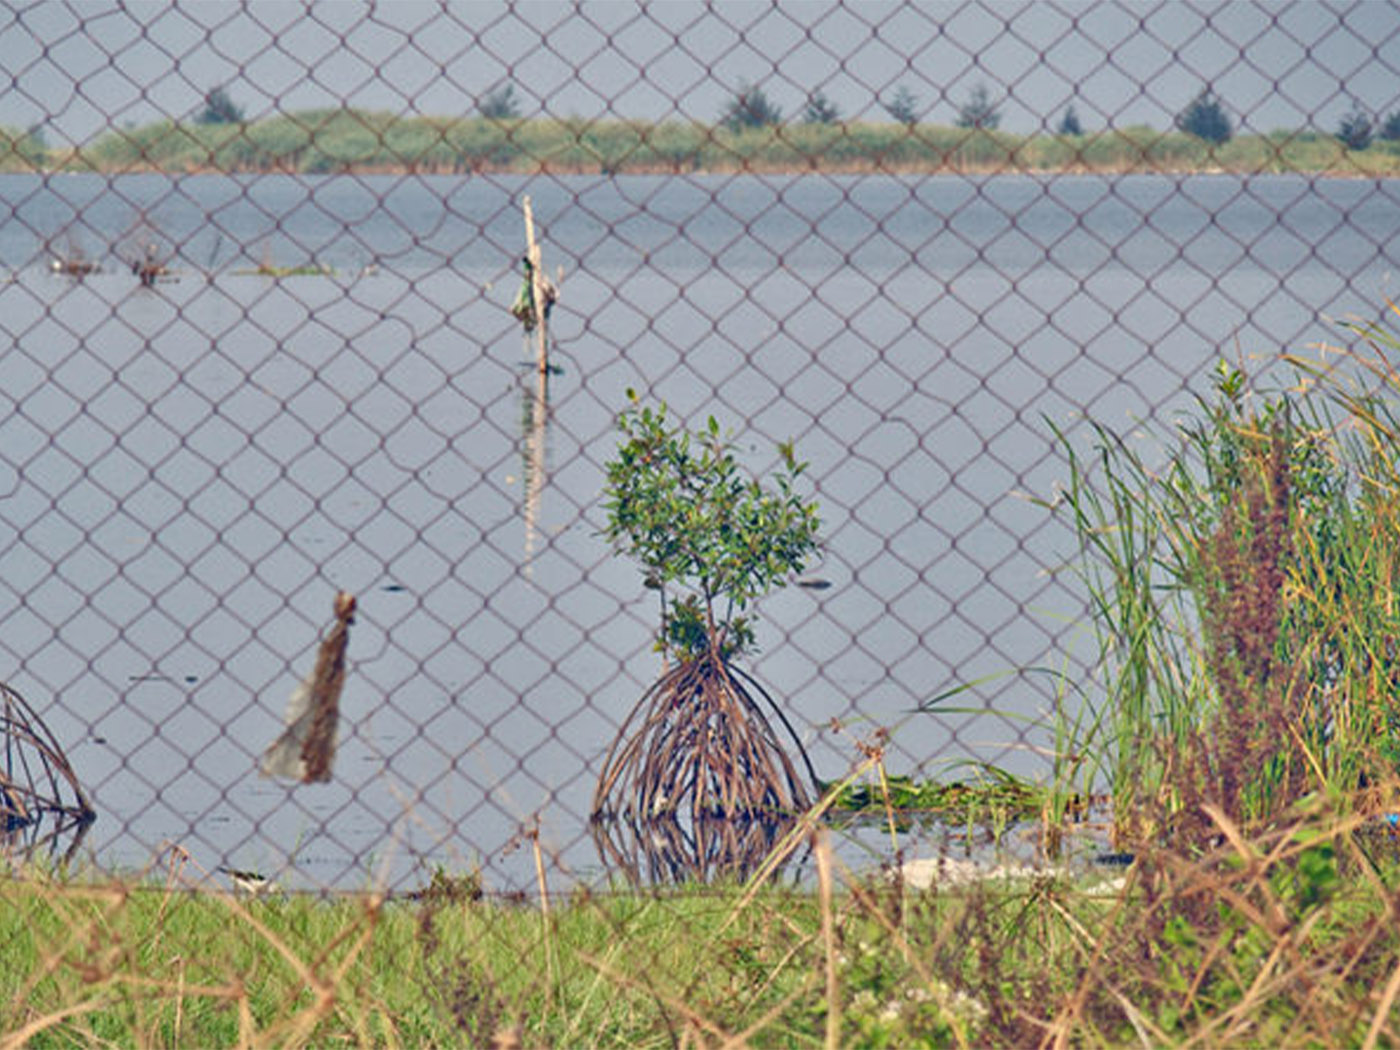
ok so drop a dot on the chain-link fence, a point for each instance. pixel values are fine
(258, 349)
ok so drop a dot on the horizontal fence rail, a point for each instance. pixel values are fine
(287, 487)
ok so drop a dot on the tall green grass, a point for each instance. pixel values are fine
(1287, 937)
(1243, 591)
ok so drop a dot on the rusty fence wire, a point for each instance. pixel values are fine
(257, 349)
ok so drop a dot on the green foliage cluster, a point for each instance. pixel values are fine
(903, 106)
(1356, 129)
(820, 110)
(310, 141)
(219, 108)
(995, 799)
(979, 112)
(1205, 118)
(750, 108)
(500, 104)
(678, 503)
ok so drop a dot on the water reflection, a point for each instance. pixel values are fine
(667, 850)
(533, 419)
(532, 308)
(40, 797)
(52, 835)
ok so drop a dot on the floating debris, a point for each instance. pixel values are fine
(148, 267)
(267, 268)
(525, 308)
(306, 749)
(70, 260)
(311, 269)
(74, 266)
(146, 252)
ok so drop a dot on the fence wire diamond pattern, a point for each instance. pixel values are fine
(258, 349)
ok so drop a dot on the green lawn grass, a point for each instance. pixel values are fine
(1287, 936)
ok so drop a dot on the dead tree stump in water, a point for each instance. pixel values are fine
(702, 748)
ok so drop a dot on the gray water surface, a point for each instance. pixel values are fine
(188, 473)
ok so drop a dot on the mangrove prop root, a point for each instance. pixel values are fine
(664, 849)
(699, 745)
(35, 777)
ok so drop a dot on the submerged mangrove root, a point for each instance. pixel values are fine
(656, 850)
(35, 778)
(702, 748)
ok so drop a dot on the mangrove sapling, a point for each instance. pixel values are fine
(699, 742)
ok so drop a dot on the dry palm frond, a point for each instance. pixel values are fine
(306, 748)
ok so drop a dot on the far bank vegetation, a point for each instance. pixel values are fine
(336, 140)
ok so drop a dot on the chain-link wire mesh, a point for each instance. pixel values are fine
(259, 263)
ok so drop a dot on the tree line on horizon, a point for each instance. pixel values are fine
(1204, 117)
(750, 132)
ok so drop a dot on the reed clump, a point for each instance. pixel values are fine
(1243, 596)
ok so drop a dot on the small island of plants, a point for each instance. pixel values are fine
(750, 135)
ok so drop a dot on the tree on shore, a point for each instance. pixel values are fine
(1356, 129)
(219, 108)
(750, 108)
(1069, 123)
(1205, 118)
(500, 104)
(820, 110)
(1390, 127)
(903, 107)
(978, 111)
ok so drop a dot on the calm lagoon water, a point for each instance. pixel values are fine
(188, 473)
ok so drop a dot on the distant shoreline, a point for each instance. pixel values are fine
(754, 170)
(321, 142)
